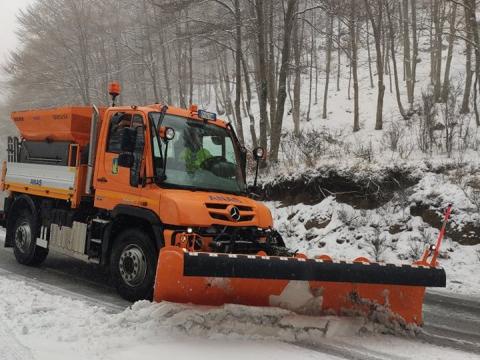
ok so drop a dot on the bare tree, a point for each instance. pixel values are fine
(262, 72)
(451, 39)
(352, 25)
(289, 20)
(297, 46)
(328, 65)
(393, 57)
(406, 53)
(468, 61)
(375, 15)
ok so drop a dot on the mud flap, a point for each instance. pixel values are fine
(303, 285)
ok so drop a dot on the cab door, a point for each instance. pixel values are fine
(114, 183)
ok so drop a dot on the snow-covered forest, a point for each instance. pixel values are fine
(314, 69)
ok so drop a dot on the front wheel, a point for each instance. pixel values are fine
(25, 246)
(133, 265)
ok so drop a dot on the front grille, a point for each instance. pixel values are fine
(244, 208)
(216, 206)
(219, 216)
(220, 212)
(247, 218)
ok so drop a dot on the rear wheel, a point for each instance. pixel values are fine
(25, 246)
(133, 265)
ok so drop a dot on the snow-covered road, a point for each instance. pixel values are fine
(66, 310)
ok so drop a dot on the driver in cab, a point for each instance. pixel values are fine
(194, 154)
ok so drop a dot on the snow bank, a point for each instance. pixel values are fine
(389, 233)
(37, 325)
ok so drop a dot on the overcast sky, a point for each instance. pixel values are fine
(8, 25)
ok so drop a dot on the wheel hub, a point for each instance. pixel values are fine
(23, 237)
(132, 265)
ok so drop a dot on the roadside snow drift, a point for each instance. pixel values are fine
(38, 325)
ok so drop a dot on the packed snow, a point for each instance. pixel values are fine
(38, 325)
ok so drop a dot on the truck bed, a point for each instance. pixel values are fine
(53, 181)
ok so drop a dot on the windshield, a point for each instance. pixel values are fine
(200, 156)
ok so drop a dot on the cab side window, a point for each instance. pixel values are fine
(118, 122)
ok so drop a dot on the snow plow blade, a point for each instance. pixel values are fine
(312, 286)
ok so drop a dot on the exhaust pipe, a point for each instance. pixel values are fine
(92, 150)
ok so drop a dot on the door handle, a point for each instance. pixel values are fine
(102, 180)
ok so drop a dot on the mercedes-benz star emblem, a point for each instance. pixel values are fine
(235, 213)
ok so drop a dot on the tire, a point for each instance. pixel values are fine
(133, 265)
(25, 231)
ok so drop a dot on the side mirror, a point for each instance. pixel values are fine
(259, 153)
(243, 160)
(126, 160)
(127, 139)
(166, 133)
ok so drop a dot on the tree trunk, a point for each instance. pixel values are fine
(262, 73)
(406, 54)
(238, 70)
(468, 61)
(297, 72)
(166, 69)
(327, 67)
(297, 46)
(415, 46)
(248, 102)
(476, 39)
(312, 47)
(179, 60)
(438, 26)
(272, 68)
(369, 58)
(394, 60)
(432, 45)
(339, 53)
(353, 60)
(282, 80)
(315, 54)
(377, 21)
(451, 39)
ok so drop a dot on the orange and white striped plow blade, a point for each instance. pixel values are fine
(311, 286)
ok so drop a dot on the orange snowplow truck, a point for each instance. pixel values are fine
(158, 194)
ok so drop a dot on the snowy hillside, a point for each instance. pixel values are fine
(390, 233)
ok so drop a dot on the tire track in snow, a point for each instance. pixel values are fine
(348, 351)
(452, 321)
(56, 290)
(11, 348)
